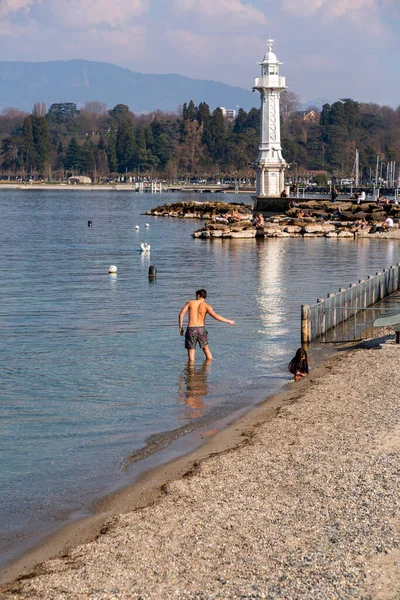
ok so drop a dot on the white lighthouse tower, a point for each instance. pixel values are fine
(270, 163)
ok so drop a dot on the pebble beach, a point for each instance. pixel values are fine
(297, 499)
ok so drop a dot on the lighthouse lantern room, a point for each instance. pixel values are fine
(270, 163)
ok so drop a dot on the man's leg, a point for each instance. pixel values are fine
(191, 354)
(207, 352)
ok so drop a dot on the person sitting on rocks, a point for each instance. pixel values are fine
(389, 224)
(376, 228)
(235, 216)
(336, 216)
(361, 224)
(384, 201)
(284, 194)
(361, 197)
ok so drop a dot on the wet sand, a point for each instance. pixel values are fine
(297, 499)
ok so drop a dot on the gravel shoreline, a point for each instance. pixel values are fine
(304, 507)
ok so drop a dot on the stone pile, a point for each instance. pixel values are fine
(309, 219)
(312, 219)
(200, 210)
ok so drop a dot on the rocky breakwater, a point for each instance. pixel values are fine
(313, 219)
(207, 211)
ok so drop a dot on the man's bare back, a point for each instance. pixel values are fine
(196, 332)
(197, 311)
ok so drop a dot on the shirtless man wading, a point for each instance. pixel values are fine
(196, 332)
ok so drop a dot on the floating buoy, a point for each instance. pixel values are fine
(89, 223)
(152, 272)
(147, 225)
(112, 269)
(137, 227)
(145, 247)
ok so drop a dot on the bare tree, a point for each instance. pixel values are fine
(39, 109)
(11, 118)
(289, 104)
(191, 150)
(95, 107)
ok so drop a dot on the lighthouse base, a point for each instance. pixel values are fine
(270, 180)
(265, 205)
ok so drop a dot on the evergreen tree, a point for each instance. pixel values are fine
(63, 112)
(189, 112)
(41, 141)
(88, 163)
(125, 146)
(203, 117)
(218, 132)
(112, 151)
(120, 113)
(73, 158)
(29, 151)
(240, 121)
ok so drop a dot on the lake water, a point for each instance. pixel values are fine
(92, 365)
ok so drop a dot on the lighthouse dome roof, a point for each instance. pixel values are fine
(270, 57)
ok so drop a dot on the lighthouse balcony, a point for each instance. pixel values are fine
(270, 81)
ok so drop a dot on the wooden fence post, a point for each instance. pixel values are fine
(305, 324)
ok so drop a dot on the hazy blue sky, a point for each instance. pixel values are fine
(331, 48)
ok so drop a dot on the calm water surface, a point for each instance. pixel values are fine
(93, 364)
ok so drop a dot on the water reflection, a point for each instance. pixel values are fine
(271, 260)
(113, 282)
(192, 388)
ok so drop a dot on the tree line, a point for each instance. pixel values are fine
(195, 142)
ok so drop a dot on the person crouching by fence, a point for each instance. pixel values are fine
(298, 366)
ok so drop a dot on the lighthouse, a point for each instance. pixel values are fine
(270, 163)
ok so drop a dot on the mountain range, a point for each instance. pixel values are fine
(80, 81)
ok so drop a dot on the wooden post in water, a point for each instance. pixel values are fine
(305, 324)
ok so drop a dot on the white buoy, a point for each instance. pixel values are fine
(112, 269)
(147, 225)
(137, 227)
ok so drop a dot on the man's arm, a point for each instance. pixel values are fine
(218, 317)
(181, 316)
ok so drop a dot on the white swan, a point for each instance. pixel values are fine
(112, 269)
(145, 247)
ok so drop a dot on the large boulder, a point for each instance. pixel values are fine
(236, 235)
(239, 225)
(217, 227)
(345, 234)
(318, 228)
(277, 233)
(270, 231)
(377, 216)
(292, 229)
(348, 215)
